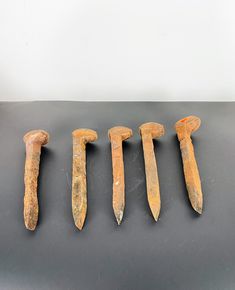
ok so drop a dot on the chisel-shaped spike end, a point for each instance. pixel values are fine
(197, 203)
(119, 216)
(30, 213)
(79, 218)
(199, 211)
(196, 199)
(155, 212)
(29, 226)
(197, 208)
(155, 217)
(80, 223)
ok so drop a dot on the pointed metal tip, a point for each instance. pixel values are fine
(155, 218)
(119, 216)
(29, 224)
(79, 224)
(30, 227)
(198, 210)
(155, 212)
(156, 215)
(197, 206)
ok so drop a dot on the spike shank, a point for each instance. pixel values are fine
(118, 178)
(79, 187)
(152, 182)
(33, 152)
(191, 173)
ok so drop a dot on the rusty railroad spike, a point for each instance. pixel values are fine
(79, 188)
(34, 140)
(116, 136)
(184, 128)
(148, 132)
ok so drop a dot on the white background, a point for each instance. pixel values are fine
(117, 50)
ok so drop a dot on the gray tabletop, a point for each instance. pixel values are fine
(181, 251)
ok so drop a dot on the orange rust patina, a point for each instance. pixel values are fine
(148, 132)
(79, 188)
(34, 140)
(184, 128)
(116, 136)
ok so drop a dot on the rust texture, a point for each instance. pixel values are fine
(148, 132)
(184, 128)
(34, 140)
(116, 136)
(79, 187)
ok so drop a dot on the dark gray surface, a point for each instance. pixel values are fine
(180, 251)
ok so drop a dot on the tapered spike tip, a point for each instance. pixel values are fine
(80, 223)
(119, 216)
(155, 209)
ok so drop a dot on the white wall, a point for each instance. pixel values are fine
(117, 50)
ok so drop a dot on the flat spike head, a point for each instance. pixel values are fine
(36, 136)
(155, 129)
(88, 135)
(187, 126)
(123, 132)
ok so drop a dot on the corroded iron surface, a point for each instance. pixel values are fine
(34, 140)
(79, 188)
(148, 132)
(184, 128)
(116, 136)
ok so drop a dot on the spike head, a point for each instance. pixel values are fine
(186, 126)
(123, 132)
(155, 129)
(88, 135)
(36, 136)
